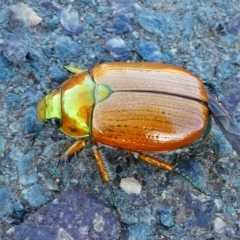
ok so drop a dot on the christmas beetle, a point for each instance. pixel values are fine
(140, 107)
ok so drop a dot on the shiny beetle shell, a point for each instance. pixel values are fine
(140, 107)
(153, 107)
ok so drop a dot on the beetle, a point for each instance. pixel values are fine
(139, 107)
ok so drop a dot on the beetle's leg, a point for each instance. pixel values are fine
(104, 171)
(32, 137)
(100, 163)
(191, 181)
(157, 162)
(73, 69)
(170, 168)
(75, 148)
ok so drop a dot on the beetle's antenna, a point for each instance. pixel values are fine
(195, 185)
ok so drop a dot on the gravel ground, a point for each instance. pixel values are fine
(36, 39)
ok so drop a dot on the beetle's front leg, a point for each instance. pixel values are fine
(75, 148)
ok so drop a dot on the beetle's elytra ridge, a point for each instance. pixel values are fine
(150, 77)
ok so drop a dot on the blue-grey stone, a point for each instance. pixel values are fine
(165, 215)
(32, 124)
(90, 52)
(98, 47)
(236, 183)
(139, 232)
(200, 213)
(231, 97)
(74, 215)
(118, 49)
(53, 23)
(166, 219)
(222, 3)
(129, 218)
(168, 57)
(195, 171)
(66, 49)
(229, 40)
(6, 73)
(135, 34)
(3, 87)
(99, 31)
(101, 9)
(13, 102)
(234, 26)
(36, 57)
(8, 202)
(26, 174)
(229, 233)
(188, 25)
(230, 210)
(48, 5)
(105, 58)
(222, 148)
(15, 127)
(17, 79)
(235, 58)
(15, 51)
(4, 14)
(69, 19)
(90, 20)
(148, 51)
(120, 24)
(153, 22)
(225, 69)
(36, 196)
(57, 74)
(88, 2)
(2, 145)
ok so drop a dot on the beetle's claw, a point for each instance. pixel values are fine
(201, 190)
(194, 184)
(55, 169)
(31, 135)
(64, 160)
(112, 196)
(32, 138)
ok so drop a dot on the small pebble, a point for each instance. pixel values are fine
(118, 49)
(130, 185)
(25, 14)
(218, 225)
(69, 19)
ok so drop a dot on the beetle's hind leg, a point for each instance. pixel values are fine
(170, 168)
(75, 148)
